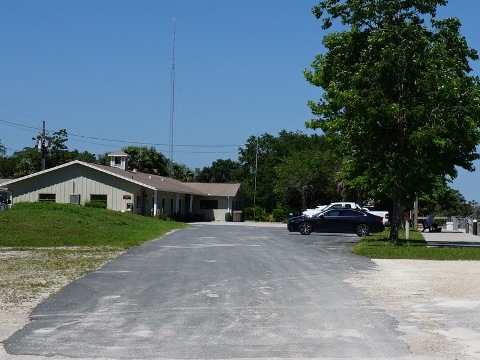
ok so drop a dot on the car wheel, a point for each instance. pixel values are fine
(362, 230)
(305, 228)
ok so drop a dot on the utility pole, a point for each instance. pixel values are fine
(172, 102)
(42, 146)
(415, 210)
(255, 185)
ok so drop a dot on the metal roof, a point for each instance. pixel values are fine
(154, 182)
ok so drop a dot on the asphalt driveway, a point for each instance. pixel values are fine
(217, 292)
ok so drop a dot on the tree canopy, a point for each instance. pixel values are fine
(142, 158)
(221, 171)
(265, 162)
(398, 101)
(306, 178)
(29, 159)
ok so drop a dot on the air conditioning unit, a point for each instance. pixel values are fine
(75, 199)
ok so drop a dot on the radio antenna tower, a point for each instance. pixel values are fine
(172, 101)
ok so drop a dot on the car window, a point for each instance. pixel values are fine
(332, 213)
(350, 212)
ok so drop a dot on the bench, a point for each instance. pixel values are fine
(430, 228)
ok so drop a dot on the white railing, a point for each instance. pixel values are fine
(454, 223)
(464, 223)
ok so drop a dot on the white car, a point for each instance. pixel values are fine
(335, 205)
(311, 212)
(346, 205)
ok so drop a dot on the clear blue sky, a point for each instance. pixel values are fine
(102, 70)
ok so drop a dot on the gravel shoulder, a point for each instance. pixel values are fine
(436, 303)
(27, 277)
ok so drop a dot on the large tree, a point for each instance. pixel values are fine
(51, 146)
(142, 158)
(398, 98)
(5, 163)
(261, 156)
(221, 171)
(306, 178)
(181, 172)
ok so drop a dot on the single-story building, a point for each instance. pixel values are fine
(120, 189)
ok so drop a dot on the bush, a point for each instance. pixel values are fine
(279, 215)
(161, 216)
(96, 204)
(256, 213)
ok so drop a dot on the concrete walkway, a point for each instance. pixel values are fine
(451, 238)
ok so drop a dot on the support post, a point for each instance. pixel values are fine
(415, 216)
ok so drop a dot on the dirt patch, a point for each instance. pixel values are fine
(28, 276)
(436, 303)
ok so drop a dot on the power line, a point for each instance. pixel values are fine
(21, 113)
(71, 135)
(19, 126)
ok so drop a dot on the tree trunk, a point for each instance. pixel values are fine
(397, 216)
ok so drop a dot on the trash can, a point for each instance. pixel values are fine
(237, 216)
(228, 216)
(449, 225)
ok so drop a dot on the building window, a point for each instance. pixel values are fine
(46, 197)
(208, 204)
(118, 160)
(99, 198)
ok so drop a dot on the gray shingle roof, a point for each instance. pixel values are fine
(222, 189)
(157, 182)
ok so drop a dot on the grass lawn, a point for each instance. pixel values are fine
(45, 224)
(377, 246)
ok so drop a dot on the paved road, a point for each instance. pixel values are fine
(217, 292)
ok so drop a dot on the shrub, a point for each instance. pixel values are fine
(161, 216)
(279, 215)
(256, 213)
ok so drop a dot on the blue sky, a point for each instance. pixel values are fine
(102, 70)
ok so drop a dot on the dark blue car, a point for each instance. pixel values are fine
(352, 221)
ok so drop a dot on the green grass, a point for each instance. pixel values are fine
(377, 246)
(45, 224)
